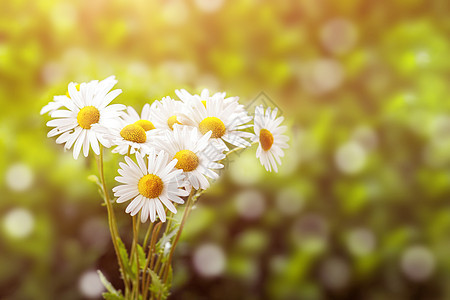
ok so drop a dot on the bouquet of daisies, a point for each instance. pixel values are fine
(171, 153)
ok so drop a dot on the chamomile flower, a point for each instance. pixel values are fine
(150, 186)
(187, 98)
(225, 120)
(131, 132)
(197, 158)
(57, 102)
(165, 113)
(86, 107)
(145, 120)
(269, 135)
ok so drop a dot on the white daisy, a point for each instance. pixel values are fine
(164, 115)
(135, 137)
(269, 134)
(87, 106)
(149, 186)
(187, 98)
(145, 120)
(196, 157)
(58, 99)
(224, 119)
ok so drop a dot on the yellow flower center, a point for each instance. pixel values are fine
(150, 186)
(172, 120)
(87, 116)
(214, 124)
(266, 139)
(145, 124)
(77, 86)
(187, 160)
(134, 133)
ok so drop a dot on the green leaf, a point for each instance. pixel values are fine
(142, 259)
(124, 256)
(109, 287)
(111, 296)
(157, 287)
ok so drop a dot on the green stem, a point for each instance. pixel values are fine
(146, 277)
(111, 220)
(136, 254)
(177, 237)
(239, 148)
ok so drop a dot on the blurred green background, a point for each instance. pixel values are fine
(360, 208)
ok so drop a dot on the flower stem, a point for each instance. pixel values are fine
(136, 254)
(111, 220)
(239, 148)
(146, 277)
(177, 237)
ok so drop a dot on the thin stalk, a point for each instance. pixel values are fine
(177, 237)
(239, 148)
(145, 276)
(136, 254)
(111, 220)
(147, 235)
(158, 262)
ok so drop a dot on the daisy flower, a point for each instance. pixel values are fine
(187, 98)
(165, 113)
(196, 157)
(269, 134)
(131, 116)
(58, 99)
(86, 107)
(224, 119)
(150, 186)
(135, 137)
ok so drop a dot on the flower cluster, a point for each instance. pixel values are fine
(178, 144)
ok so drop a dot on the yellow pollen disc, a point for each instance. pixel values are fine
(77, 86)
(266, 139)
(187, 160)
(172, 120)
(87, 116)
(134, 133)
(204, 103)
(145, 124)
(214, 124)
(150, 186)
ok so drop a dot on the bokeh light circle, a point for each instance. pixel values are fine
(90, 285)
(18, 223)
(289, 202)
(418, 263)
(338, 35)
(209, 6)
(209, 260)
(19, 177)
(334, 273)
(350, 157)
(250, 204)
(361, 241)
